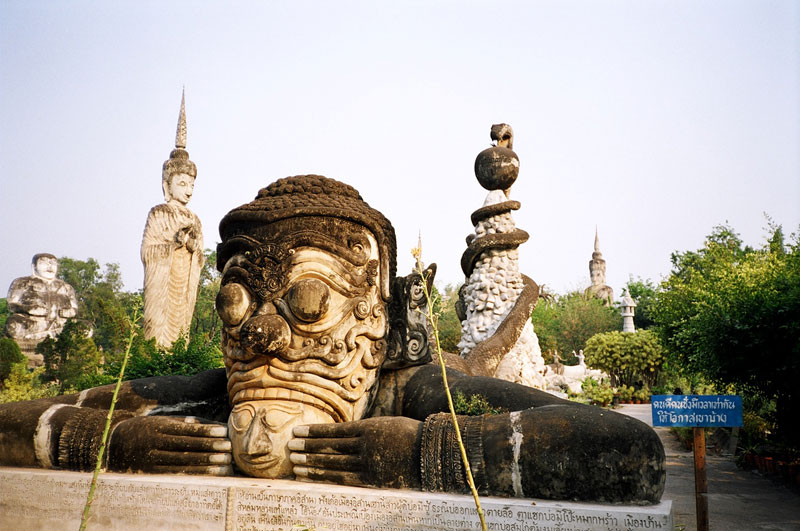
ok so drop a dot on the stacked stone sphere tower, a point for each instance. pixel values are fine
(495, 303)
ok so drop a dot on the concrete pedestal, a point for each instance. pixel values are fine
(34, 499)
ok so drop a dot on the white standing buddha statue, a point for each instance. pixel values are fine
(172, 249)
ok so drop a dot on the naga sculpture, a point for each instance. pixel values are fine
(40, 305)
(496, 300)
(172, 249)
(327, 380)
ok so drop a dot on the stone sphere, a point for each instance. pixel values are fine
(497, 168)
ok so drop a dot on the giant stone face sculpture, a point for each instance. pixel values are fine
(303, 300)
(172, 249)
(40, 305)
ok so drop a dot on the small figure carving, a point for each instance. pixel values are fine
(597, 270)
(40, 305)
(172, 249)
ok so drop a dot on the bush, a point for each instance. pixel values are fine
(474, 405)
(599, 394)
(632, 359)
(22, 384)
(200, 354)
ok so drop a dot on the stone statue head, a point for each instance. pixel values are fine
(307, 269)
(178, 172)
(44, 265)
(178, 176)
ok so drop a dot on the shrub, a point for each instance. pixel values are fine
(600, 394)
(632, 359)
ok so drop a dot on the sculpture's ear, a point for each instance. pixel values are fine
(165, 188)
(409, 329)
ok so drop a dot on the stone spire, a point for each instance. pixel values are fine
(597, 255)
(178, 161)
(180, 134)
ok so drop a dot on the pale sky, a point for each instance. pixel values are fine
(652, 120)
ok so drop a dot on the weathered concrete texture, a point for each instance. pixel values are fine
(737, 499)
(49, 499)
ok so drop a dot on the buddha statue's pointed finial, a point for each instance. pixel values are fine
(180, 135)
(596, 240)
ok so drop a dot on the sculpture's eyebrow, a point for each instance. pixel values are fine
(334, 269)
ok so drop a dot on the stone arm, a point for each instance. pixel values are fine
(69, 301)
(18, 302)
(549, 449)
(65, 431)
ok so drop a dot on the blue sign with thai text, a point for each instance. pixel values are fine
(697, 411)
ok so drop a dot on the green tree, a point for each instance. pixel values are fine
(72, 360)
(644, 293)
(448, 323)
(631, 359)
(9, 355)
(732, 314)
(567, 324)
(205, 320)
(4, 313)
(101, 301)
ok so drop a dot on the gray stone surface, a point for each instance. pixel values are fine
(49, 499)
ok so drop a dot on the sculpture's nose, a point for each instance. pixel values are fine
(264, 334)
(256, 440)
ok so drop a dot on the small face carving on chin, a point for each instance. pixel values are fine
(260, 430)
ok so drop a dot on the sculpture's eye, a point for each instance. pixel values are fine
(309, 299)
(233, 302)
(241, 417)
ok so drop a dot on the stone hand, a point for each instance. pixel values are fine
(381, 451)
(187, 445)
(181, 237)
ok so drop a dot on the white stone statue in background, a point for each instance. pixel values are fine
(172, 249)
(597, 271)
(40, 306)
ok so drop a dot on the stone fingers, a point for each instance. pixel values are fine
(343, 429)
(189, 459)
(193, 444)
(348, 445)
(193, 427)
(327, 461)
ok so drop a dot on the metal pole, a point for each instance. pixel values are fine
(700, 481)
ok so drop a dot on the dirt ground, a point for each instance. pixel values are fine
(737, 499)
